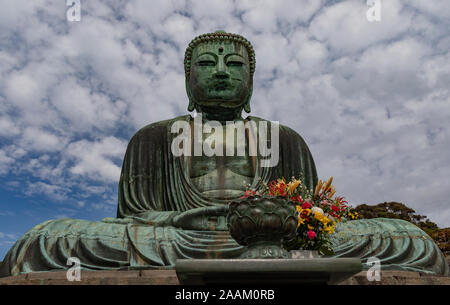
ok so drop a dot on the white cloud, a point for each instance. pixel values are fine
(53, 191)
(8, 128)
(40, 140)
(85, 109)
(5, 162)
(437, 8)
(93, 159)
(385, 72)
(345, 28)
(23, 89)
(8, 235)
(266, 16)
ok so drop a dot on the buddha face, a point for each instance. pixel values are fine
(220, 75)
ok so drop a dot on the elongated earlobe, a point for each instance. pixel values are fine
(191, 106)
(247, 104)
(247, 107)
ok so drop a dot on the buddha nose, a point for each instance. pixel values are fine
(221, 71)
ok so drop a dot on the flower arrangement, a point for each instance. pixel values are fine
(319, 211)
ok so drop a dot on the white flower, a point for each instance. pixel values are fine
(314, 210)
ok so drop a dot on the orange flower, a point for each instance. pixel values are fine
(318, 187)
(293, 185)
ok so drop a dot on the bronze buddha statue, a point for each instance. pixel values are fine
(174, 206)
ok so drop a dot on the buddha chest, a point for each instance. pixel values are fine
(223, 176)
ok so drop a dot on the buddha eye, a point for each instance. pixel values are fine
(233, 63)
(207, 63)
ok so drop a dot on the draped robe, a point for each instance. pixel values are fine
(155, 187)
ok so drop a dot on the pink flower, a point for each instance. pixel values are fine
(311, 234)
(248, 193)
(324, 203)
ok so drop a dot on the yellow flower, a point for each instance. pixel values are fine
(318, 216)
(293, 185)
(300, 221)
(325, 220)
(310, 227)
(299, 208)
(330, 229)
(308, 211)
(353, 215)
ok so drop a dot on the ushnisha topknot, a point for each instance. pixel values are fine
(218, 36)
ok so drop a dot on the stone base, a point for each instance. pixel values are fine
(266, 271)
(391, 277)
(134, 277)
(169, 277)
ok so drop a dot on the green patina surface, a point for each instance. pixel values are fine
(175, 207)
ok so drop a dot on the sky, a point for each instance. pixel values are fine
(371, 99)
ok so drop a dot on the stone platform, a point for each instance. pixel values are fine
(169, 277)
(320, 271)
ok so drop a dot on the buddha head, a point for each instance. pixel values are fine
(219, 75)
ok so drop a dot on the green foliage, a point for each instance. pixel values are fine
(442, 239)
(396, 210)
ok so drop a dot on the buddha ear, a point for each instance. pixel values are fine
(247, 103)
(191, 105)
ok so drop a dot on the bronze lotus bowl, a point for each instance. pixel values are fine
(262, 223)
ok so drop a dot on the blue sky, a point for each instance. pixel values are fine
(371, 99)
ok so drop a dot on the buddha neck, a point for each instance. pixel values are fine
(220, 114)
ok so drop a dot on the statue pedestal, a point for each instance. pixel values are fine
(266, 271)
